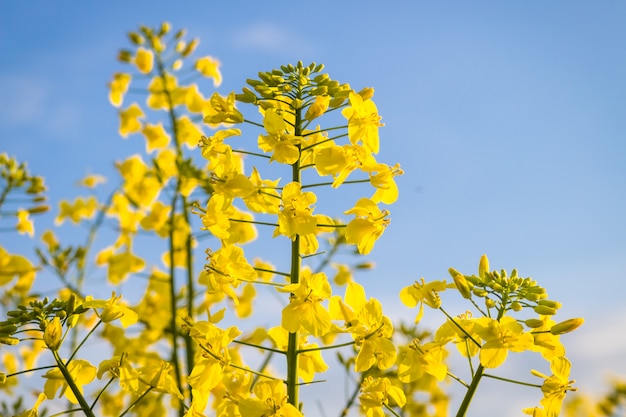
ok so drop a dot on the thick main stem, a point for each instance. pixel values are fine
(292, 347)
(470, 392)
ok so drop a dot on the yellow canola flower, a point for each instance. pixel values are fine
(265, 199)
(227, 267)
(120, 264)
(310, 362)
(24, 223)
(382, 177)
(363, 122)
(271, 401)
(500, 337)
(422, 293)
(82, 373)
(113, 309)
(119, 367)
(188, 132)
(210, 68)
(156, 137)
(368, 326)
(90, 181)
(318, 108)
(129, 120)
(222, 110)
(421, 359)
(282, 144)
(555, 386)
(450, 332)
(214, 342)
(367, 226)
(79, 210)
(34, 411)
(144, 59)
(12, 266)
(305, 310)
(118, 87)
(296, 216)
(377, 393)
(165, 91)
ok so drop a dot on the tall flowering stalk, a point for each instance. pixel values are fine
(170, 352)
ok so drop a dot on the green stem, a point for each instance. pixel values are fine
(70, 382)
(470, 392)
(293, 343)
(527, 384)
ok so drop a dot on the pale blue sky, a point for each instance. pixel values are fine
(509, 119)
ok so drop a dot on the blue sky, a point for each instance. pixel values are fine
(509, 119)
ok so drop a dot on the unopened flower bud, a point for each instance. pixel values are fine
(483, 266)
(3, 378)
(549, 303)
(516, 306)
(136, 38)
(11, 341)
(125, 56)
(53, 333)
(366, 93)
(567, 326)
(545, 310)
(490, 303)
(534, 323)
(38, 209)
(462, 285)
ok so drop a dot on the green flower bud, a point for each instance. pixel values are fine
(566, 326)
(462, 285)
(545, 310)
(125, 56)
(366, 93)
(516, 306)
(534, 323)
(479, 292)
(490, 303)
(549, 303)
(483, 266)
(136, 38)
(11, 341)
(53, 333)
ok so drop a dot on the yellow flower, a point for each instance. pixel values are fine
(305, 310)
(16, 266)
(271, 400)
(81, 371)
(280, 142)
(420, 294)
(500, 337)
(119, 367)
(156, 137)
(34, 412)
(363, 122)
(144, 60)
(210, 68)
(129, 120)
(555, 386)
(265, 199)
(112, 310)
(423, 359)
(296, 216)
(162, 90)
(310, 362)
(222, 110)
(90, 181)
(24, 224)
(370, 329)
(118, 88)
(376, 393)
(319, 107)
(227, 267)
(188, 132)
(367, 227)
(382, 178)
(81, 209)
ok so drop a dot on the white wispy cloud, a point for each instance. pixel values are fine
(269, 37)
